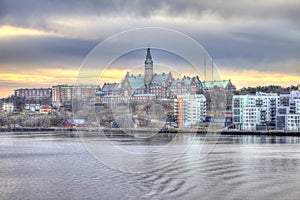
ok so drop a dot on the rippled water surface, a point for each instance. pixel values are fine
(58, 166)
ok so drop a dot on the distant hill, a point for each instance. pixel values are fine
(267, 89)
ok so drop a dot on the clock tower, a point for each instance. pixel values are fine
(148, 70)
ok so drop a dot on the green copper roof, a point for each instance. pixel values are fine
(212, 84)
(158, 79)
(136, 82)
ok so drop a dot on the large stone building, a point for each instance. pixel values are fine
(149, 86)
(187, 92)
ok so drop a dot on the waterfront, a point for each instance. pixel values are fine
(58, 166)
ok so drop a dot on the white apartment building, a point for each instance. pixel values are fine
(297, 105)
(293, 122)
(288, 112)
(253, 112)
(189, 109)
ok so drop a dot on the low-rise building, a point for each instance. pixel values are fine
(8, 107)
(117, 99)
(45, 109)
(32, 107)
(189, 109)
(80, 122)
(69, 123)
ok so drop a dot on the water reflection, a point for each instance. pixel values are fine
(263, 139)
(57, 166)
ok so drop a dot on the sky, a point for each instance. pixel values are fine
(44, 42)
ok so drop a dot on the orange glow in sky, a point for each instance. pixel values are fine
(11, 31)
(50, 77)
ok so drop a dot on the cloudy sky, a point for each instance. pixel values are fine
(43, 43)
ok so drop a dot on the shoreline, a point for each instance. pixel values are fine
(142, 131)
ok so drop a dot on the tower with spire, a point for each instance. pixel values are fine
(148, 70)
(150, 85)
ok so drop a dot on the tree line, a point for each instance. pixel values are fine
(266, 89)
(19, 102)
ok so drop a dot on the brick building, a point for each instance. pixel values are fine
(65, 94)
(36, 93)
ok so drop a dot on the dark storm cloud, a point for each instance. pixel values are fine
(269, 30)
(16, 11)
(254, 47)
(267, 57)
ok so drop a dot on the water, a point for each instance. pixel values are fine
(58, 166)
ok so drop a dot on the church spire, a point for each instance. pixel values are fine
(148, 70)
(148, 57)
